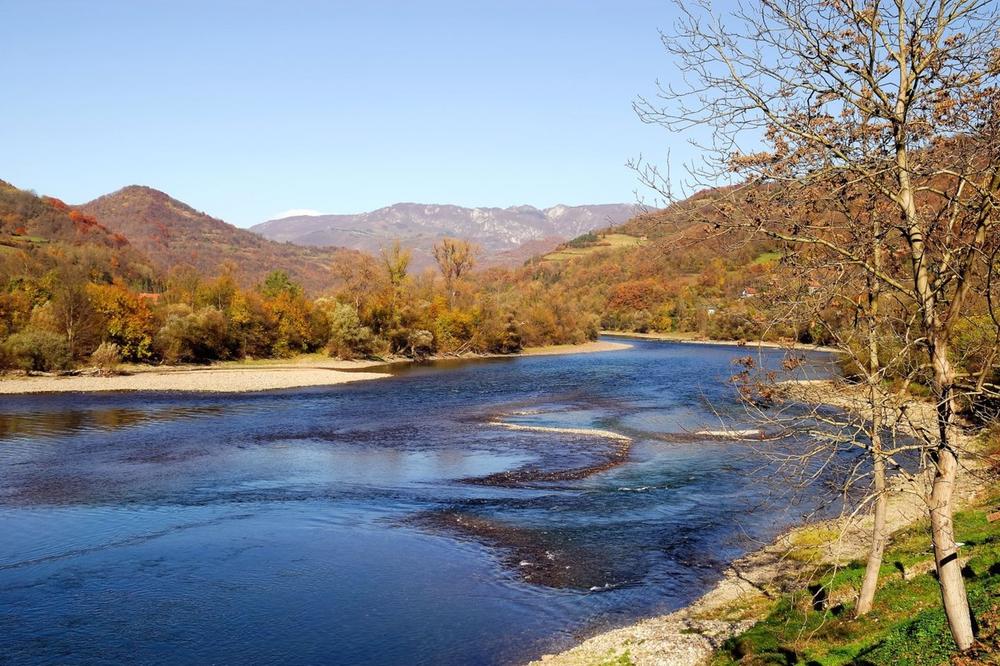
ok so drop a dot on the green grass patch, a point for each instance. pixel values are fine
(606, 242)
(906, 627)
(767, 258)
(624, 659)
(808, 544)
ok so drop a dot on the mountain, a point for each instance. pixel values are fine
(499, 231)
(171, 233)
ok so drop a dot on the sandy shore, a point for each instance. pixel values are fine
(689, 637)
(210, 380)
(691, 339)
(585, 348)
(243, 377)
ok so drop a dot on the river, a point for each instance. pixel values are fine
(398, 521)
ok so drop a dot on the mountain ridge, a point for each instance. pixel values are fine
(498, 231)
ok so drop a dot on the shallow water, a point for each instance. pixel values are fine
(387, 522)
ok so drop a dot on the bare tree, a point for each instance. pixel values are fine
(896, 97)
(455, 258)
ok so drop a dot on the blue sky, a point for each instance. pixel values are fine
(247, 109)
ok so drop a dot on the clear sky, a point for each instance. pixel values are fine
(248, 108)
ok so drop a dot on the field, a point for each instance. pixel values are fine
(609, 241)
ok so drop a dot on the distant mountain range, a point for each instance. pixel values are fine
(498, 231)
(171, 233)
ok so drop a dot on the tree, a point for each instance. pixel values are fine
(455, 258)
(74, 313)
(348, 338)
(128, 321)
(396, 262)
(899, 98)
(277, 283)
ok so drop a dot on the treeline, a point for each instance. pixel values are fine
(73, 303)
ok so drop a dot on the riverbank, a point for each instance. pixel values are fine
(695, 339)
(751, 586)
(246, 376)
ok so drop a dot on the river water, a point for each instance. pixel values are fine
(397, 521)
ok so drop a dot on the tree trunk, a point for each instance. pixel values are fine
(941, 504)
(944, 455)
(875, 403)
(879, 538)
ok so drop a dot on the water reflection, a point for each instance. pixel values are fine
(37, 424)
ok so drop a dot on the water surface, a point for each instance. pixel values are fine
(385, 522)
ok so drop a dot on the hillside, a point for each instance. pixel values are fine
(28, 219)
(591, 243)
(500, 232)
(664, 271)
(38, 233)
(173, 234)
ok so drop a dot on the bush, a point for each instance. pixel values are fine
(348, 338)
(194, 336)
(642, 321)
(38, 351)
(420, 343)
(509, 341)
(106, 358)
(586, 240)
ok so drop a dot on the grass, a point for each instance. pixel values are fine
(624, 659)
(609, 241)
(767, 258)
(808, 544)
(15, 242)
(906, 626)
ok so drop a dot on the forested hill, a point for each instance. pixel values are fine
(665, 271)
(38, 234)
(174, 235)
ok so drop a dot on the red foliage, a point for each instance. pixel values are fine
(81, 220)
(636, 295)
(58, 204)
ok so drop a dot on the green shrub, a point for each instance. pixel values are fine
(6, 359)
(421, 343)
(348, 338)
(38, 351)
(194, 336)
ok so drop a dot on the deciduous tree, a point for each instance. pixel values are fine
(900, 98)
